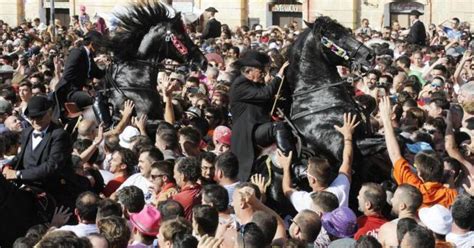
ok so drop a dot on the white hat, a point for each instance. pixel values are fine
(125, 137)
(437, 218)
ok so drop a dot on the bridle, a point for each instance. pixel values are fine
(340, 52)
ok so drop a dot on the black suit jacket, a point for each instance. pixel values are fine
(250, 105)
(53, 169)
(75, 75)
(212, 29)
(417, 34)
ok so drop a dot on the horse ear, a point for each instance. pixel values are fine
(309, 24)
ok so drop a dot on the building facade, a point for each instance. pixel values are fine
(265, 12)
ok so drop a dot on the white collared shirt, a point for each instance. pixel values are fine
(37, 140)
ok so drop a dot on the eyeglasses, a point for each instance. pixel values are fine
(294, 222)
(154, 177)
(309, 175)
(435, 85)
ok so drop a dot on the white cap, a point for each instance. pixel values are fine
(437, 218)
(125, 137)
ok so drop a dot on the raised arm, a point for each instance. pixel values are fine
(87, 154)
(347, 155)
(457, 74)
(452, 149)
(285, 163)
(392, 143)
(439, 61)
(126, 116)
(256, 204)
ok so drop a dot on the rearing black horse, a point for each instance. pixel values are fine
(147, 34)
(320, 97)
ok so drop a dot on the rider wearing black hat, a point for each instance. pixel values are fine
(45, 158)
(79, 67)
(250, 106)
(417, 34)
(213, 26)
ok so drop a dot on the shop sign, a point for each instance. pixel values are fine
(286, 8)
(405, 7)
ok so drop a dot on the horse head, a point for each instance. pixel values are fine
(338, 45)
(174, 42)
(152, 31)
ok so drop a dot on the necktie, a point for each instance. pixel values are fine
(38, 135)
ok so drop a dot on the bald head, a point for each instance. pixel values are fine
(86, 206)
(87, 129)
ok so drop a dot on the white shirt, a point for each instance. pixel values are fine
(107, 176)
(461, 240)
(37, 140)
(81, 230)
(340, 187)
(141, 182)
(230, 190)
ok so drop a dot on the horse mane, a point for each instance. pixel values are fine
(135, 24)
(323, 23)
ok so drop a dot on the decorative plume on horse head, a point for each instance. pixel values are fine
(147, 33)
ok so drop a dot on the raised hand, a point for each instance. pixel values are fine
(349, 125)
(284, 161)
(61, 216)
(281, 72)
(259, 180)
(100, 134)
(209, 242)
(140, 122)
(385, 108)
(128, 107)
(469, 190)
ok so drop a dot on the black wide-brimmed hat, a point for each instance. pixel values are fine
(253, 59)
(415, 13)
(212, 9)
(38, 106)
(93, 36)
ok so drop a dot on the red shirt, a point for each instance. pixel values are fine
(369, 225)
(113, 185)
(188, 197)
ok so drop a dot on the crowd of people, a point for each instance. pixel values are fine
(182, 186)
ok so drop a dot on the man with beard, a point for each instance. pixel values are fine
(250, 106)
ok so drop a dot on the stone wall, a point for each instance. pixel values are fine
(9, 12)
(238, 12)
(232, 12)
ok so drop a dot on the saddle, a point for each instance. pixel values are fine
(43, 201)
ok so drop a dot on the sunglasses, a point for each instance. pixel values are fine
(435, 85)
